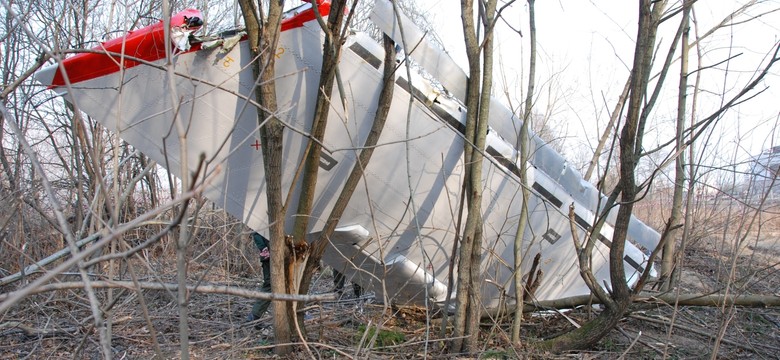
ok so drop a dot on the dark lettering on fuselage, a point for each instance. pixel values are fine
(327, 162)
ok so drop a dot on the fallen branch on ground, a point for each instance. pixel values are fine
(16, 327)
(756, 301)
(37, 266)
(206, 289)
(714, 300)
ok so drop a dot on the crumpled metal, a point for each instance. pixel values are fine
(227, 43)
(181, 37)
(230, 42)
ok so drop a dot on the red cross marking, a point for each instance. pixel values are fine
(256, 145)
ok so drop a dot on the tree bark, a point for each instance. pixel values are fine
(263, 36)
(383, 108)
(331, 53)
(586, 335)
(524, 186)
(669, 253)
(468, 307)
(467, 239)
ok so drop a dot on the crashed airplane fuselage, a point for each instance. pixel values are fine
(397, 233)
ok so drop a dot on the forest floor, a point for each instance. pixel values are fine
(59, 325)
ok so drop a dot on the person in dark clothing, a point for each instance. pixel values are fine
(261, 305)
(338, 281)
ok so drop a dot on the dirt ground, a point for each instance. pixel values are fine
(59, 326)
(747, 333)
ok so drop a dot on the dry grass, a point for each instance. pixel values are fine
(58, 325)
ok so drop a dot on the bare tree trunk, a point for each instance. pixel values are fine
(669, 253)
(331, 54)
(524, 187)
(383, 108)
(182, 232)
(652, 299)
(467, 308)
(467, 239)
(693, 169)
(631, 148)
(263, 37)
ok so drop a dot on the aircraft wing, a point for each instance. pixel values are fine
(433, 59)
(389, 274)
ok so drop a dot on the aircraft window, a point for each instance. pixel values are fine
(366, 55)
(548, 195)
(503, 160)
(449, 118)
(634, 264)
(441, 112)
(585, 225)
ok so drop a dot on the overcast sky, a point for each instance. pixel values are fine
(585, 52)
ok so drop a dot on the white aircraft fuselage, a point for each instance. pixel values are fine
(397, 233)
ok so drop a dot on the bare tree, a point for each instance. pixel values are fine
(669, 255)
(467, 306)
(641, 102)
(384, 102)
(616, 302)
(525, 187)
(263, 33)
(335, 34)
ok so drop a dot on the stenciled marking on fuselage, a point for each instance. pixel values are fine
(551, 236)
(327, 162)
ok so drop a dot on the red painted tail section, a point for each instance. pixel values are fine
(147, 45)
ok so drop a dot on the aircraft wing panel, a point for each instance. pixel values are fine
(433, 59)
